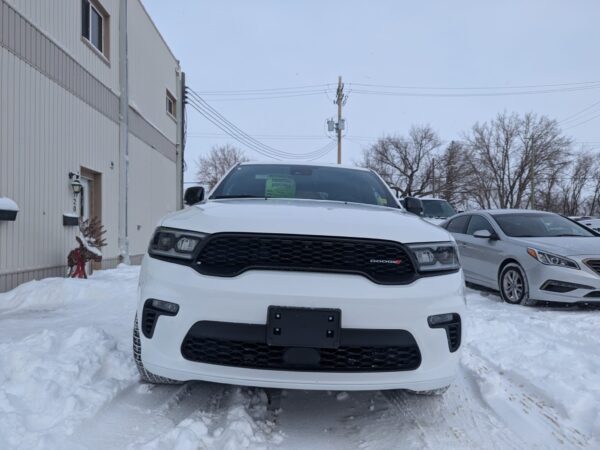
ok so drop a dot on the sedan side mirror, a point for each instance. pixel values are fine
(485, 234)
(193, 195)
(414, 205)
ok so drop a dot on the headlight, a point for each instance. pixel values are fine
(175, 243)
(436, 256)
(551, 259)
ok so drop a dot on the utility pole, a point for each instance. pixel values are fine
(532, 169)
(340, 99)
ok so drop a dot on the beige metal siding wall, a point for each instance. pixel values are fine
(47, 132)
(149, 197)
(152, 70)
(56, 116)
(61, 22)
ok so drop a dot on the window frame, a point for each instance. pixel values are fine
(171, 98)
(97, 7)
(466, 226)
(479, 216)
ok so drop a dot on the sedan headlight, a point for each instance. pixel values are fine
(436, 256)
(171, 243)
(550, 259)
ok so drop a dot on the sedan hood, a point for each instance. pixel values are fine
(565, 245)
(317, 218)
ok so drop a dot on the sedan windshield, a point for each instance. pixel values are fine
(304, 182)
(539, 225)
(437, 208)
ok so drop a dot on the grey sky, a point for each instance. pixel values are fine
(236, 45)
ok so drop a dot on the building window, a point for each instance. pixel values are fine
(171, 105)
(94, 25)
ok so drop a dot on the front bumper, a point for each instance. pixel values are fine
(585, 281)
(245, 300)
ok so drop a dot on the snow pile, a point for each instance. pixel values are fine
(7, 204)
(50, 381)
(243, 424)
(60, 364)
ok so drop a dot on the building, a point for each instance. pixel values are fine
(89, 91)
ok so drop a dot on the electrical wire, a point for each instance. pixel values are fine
(239, 135)
(246, 139)
(465, 88)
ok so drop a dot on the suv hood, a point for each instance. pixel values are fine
(317, 218)
(565, 246)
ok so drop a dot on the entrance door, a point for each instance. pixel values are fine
(85, 199)
(91, 199)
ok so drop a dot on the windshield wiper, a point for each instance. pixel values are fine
(218, 197)
(567, 234)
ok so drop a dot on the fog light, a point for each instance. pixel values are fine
(440, 319)
(168, 307)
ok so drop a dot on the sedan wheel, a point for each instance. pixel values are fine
(513, 285)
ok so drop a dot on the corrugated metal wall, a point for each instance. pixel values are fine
(57, 114)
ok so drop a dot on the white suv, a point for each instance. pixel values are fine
(299, 276)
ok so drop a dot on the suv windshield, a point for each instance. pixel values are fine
(304, 182)
(539, 225)
(437, 208)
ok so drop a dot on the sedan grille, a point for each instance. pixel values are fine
(229, 254)
(594, 264)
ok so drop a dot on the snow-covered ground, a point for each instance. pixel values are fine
(530, 378)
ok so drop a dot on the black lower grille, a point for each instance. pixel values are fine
(229, 254)
(149, 317)
(253, 352)
(594, 264)
(453, 331)
(593, 294)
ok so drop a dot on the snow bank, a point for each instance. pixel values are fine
(60, 359)
(50, 381)
(8, 204)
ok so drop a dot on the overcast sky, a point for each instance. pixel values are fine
(228, 45)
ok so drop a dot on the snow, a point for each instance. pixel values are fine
(7, 204)
(89, 247)
(528, 379)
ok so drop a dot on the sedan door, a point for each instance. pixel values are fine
(484, 255)
(458, 227)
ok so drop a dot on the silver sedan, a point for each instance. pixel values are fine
(529, 256)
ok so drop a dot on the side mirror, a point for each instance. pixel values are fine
(193, 195)
(485, 234)
(414, 205)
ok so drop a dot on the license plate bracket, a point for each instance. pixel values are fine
(303, 327)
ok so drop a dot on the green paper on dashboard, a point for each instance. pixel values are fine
(280, 187)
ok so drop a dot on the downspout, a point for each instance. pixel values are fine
(180, 138)
(123, 134)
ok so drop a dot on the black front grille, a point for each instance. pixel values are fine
(594, 264)
(244, 345)
(229, 254)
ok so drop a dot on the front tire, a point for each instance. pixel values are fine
(145, 375)
(514, 288)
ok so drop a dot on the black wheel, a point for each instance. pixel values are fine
(514, 288)
(145, 375)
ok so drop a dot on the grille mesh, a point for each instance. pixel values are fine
(384, 262)
(261, 356)
(594, 264)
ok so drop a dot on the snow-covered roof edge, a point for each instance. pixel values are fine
(7, 204)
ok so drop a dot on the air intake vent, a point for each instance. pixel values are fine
(594, 264)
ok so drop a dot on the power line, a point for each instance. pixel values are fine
(239, 135)
(572, 116)
(464, 88)
(255, 91)
(242, 137)
(477, 94)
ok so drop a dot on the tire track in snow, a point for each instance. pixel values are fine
(519, 404)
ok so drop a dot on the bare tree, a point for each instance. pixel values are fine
(405, 162)
(212, 167)
(507, 153)
(574, 186)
